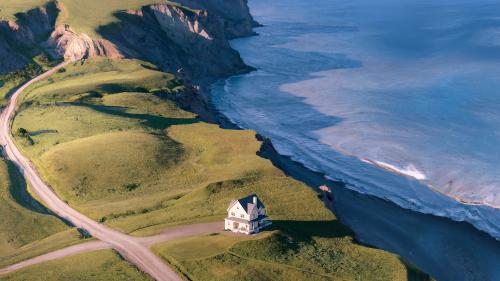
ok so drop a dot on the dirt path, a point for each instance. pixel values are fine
(69, 251)
(166, 235)
(183, 231)
(127, 246)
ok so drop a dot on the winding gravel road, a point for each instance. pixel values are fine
(166, 235)
(127, 246)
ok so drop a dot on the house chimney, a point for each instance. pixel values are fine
(255, 200)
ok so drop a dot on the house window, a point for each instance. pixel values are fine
(232, 214)
(242, 216)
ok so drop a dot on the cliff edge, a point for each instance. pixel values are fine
(190, 38)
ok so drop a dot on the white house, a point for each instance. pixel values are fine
(246, 215)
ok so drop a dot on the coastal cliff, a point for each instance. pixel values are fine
(20, 39)
(189, 38)
(192, 43)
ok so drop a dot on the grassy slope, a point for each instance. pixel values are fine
(86, 16)
(104, 135)
(305, 242)
(94, 266)
(25, 231)
(142, 164)
(83, 16)
(8, 8)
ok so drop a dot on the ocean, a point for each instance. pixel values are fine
(398, 99)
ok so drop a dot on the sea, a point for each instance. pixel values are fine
(399, 99)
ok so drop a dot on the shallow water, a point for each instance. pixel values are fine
(399, 99)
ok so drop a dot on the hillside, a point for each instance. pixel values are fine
(27, 228)
(110, 140)
(174, 37)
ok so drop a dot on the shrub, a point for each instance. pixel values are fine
(131, 186)
(22, 132)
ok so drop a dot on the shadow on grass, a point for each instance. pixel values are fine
(42, 132)
(304, 231)
(152, 121)
(20, 194)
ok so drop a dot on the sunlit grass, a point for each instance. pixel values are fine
(8, 8)
(25, 227)
(103, 265)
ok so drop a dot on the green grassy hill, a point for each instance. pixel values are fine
(103, 265)
(8, 8)
(26, 227)
(87, 16)
(118, 151)
(82, 16)
(305, 242)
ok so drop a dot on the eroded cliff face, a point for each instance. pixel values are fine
(19, 40)
(192, 42)
(67, 44)
(236, 17)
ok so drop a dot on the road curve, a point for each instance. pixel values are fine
(127, 246)
(69, 251)
(166, 235)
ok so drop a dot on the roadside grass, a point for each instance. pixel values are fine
(26, 227)
(43, 246)
(103, 265)
(198, 247)
(11, 80)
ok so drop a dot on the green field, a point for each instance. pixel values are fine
(87, 16)
(97, 140)
(8, 8)
(305, 242)
(26, 230)
(82, 16)
(103, 265)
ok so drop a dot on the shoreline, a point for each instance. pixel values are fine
(380, 223)
(372, 229)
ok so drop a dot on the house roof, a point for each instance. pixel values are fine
(247, 203)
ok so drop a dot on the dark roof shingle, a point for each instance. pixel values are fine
(249, 200)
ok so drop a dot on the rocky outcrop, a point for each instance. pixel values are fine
(238, 21)
(65, 43)
(20, 39)
(189, 42)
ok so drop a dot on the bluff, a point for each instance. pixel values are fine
(20, 39)
(189, 38)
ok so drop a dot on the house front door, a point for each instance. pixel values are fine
(235, 225)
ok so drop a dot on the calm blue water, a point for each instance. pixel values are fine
(399, 99)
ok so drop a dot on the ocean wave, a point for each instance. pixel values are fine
(409, 170)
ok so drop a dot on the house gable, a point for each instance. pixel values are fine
(248, 208)
(237, 211)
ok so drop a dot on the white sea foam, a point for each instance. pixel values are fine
(409, 170)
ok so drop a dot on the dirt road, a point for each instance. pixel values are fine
(127, 246)
(166, 235)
